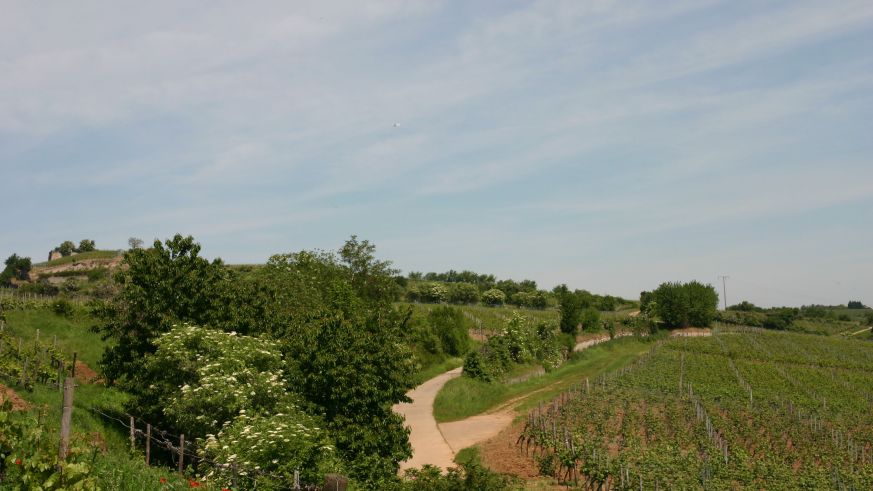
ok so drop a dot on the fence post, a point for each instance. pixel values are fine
(73, 368)
(181, 452)
(66, 418)
(132, 434)
(148, 450)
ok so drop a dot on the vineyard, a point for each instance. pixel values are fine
(761, 409)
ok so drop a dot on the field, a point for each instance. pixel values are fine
(743, 408)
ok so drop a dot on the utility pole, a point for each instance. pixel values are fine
(724, 289)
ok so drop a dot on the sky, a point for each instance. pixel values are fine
(608, 145)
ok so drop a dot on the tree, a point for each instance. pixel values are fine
(448, 324)
(493, 297)
(856, 304)
(16, 268)
(165, 285)
(681, 305)
(463, 293)
(590, 319)
(570, 309)
(66, 248)
(86, 245)
(134, 243)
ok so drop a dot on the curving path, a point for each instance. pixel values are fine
(437, 444)
(428, 444)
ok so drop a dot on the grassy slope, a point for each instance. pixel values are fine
(116, 468)
(73, 333)
(464, 397)
(80, 257)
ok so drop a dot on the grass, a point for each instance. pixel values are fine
(80, 257)
(433, 370)
(73, 333)
(464, 397)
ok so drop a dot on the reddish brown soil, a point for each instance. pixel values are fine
(86, 375)
(7, 394)
(500, 454)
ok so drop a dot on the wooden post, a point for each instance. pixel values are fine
(148, 449)
(66, 418)
(73, 368)
(181, 452)
(132, 434)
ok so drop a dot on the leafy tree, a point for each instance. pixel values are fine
(17, 267)
(66, 248)
(868, 318)
(433, 292)
(86, 245)
(448, 323)
(702, 303)
(570, 308)
(158, 287)
(494, 297)
(590, 319)
(463, 293)
(745, 306)
(856, 304)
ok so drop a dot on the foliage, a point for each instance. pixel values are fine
(16, 268)
(471, 476)
(493, 297)
(134, 243)
(780, 319)
(590, 319)
(63, 308)
(856, 304)
(448, 323)
(682, 305)
(29, 457)
(519, 342)
(745, 306)
(159, 287)
(570, 308)
(86, 245)
(463, 293)
(66, 248)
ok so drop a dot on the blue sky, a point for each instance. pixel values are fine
(607, 145)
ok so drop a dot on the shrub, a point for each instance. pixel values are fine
(63, 308)
(590, 319)
(681, 305)
(494, 297)
(463, 293)
(448, 324)
(519, 342)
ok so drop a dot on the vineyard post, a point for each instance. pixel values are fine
(73, 367)
(23, 378)
(66, 418)
(148, 449)
(132, 434)
(181, 452)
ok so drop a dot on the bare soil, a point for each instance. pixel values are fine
(7, 394)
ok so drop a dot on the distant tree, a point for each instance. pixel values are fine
(570, 310)
(66, 248)
(16, 268)
(745, 306)
(645, 298)
(856, 304)
(415, 275)
(86, 245)
(681, 305)
(868, 318)
(433, 292)
(494, 297)
(606, 303)
(590, 319)
(702, 303)
(780, 319)
(463, 293)
(134, 243)
(448, 324)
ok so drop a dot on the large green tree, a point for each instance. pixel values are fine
(683, 305)
(166, 284)
(17, 267)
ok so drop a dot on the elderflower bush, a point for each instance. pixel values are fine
(264, 450)
(519, 342)
(223, 373)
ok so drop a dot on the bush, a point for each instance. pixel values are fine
(590, 319)
(448, 324)
(494, 297)
(681, 305)
(463, 293)
(520, 342)
(63, 308)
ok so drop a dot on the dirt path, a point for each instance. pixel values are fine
(7, 394)
(437, 444)
(428, 444)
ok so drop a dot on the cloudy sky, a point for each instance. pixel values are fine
(609, 145)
